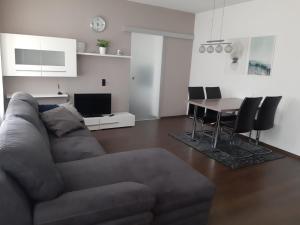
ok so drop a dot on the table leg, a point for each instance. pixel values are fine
(217, 130)
(194, 122)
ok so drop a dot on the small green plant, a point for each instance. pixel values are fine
(103, 43)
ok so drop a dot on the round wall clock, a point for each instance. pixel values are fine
(98, 24)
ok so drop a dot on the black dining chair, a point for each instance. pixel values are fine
(266, 116)
(197, 93)
(215, 93)
(245, 118)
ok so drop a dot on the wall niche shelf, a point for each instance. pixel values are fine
(45, 96)
(107, 55)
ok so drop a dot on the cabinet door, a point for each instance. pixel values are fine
(58, 57)
(21, 55)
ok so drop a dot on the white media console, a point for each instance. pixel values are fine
(116, 120)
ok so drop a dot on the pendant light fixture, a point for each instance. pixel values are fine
(217, 46)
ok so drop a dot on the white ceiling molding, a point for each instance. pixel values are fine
(191, 6)
(159, 32)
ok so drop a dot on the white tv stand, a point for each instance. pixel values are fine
(122, 119)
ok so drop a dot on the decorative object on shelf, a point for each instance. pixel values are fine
(216, 45)
(58, 90)
(81, 46)
(236, 61)
(261, 55)
(119, 52)
(103, 45)
(98, 24)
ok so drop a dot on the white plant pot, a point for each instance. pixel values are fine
(102, 51)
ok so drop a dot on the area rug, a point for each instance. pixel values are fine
(239, 155)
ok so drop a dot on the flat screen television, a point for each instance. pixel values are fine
(93, 105)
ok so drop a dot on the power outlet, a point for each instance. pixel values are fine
(103, 82)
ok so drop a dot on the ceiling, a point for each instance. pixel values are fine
(192, 6)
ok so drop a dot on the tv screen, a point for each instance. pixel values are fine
(93, 105)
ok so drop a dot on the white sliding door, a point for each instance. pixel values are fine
(146, 64)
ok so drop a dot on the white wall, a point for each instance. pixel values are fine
(258, 18)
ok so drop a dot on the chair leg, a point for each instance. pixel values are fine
(257, 137)
(250, 135)
(232, 139)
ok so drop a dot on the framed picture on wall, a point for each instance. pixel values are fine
(261, 55)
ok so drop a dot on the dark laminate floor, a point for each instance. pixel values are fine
(267, 194)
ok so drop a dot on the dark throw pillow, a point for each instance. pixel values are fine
(61, 121)
(25, 156)
(44, 108)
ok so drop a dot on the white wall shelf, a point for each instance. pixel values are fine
(46, 96)
(107, 55)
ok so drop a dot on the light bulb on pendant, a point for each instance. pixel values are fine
(228, 48)
(202, 49)
(210, 49)
(219, 48)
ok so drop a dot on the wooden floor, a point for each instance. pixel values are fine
(267, 194)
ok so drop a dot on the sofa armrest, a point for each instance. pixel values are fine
(95, 205)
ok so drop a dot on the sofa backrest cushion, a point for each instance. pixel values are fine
(26, 111)
(26, 98)
(15, 207)
(24, 156)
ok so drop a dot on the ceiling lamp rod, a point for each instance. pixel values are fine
(220, 42)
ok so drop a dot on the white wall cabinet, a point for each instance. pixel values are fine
(27, 55)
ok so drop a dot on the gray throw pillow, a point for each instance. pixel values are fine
(25, 156)
(69, 106)
(61, 121)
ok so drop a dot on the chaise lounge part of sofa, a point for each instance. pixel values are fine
(72, 181)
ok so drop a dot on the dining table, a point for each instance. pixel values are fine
(221, 106)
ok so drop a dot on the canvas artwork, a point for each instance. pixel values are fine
(236, 61)
(261, 55)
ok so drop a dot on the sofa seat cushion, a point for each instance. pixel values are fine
(140, 219)
(174, 183)
(76, 145)
(95, 205)
(25, 156)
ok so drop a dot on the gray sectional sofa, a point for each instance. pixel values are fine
(46, 180)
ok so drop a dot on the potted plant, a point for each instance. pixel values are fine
(103, 45)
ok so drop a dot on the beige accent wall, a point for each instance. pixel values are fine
(71, 18)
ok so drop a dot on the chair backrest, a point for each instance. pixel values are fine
(196, 93)
(266, 113)
(246, 115)
(213, 93)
